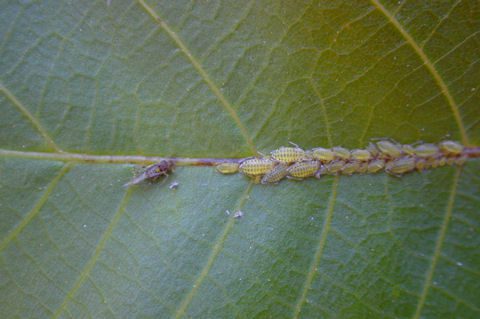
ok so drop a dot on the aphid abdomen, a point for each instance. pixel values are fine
(276, 174)
(362, 168)
(426, 150)
(400, 166)
(389, 149)
(361, 155)
(227, 168)
(408, 149)
(288, 154)
(334, 167)
(341, 153)
(303, 169)
(256, 166)
(375, 166)
(451, 148)
(350, 168)
(420, 164)
(323, 154)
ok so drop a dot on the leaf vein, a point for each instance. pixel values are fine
(430, 67)
(438, 245)
(319, 251)
(196, 64)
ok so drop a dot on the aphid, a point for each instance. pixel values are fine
(227, 168)
(153, 172)
(389, 149)
(420, 164)
(450, 147)
(341, 153)
(375, 166)
(334, 167)
(323, 154)
(362, 167)
(361, 155)
(372, 149)
(451, 161)
(350, 168)
(426, 150)
(303, 169)
(400, 166)
(276, 174)
(256, 166)
(288, 154)
(408, 149)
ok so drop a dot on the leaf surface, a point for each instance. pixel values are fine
(227, 79)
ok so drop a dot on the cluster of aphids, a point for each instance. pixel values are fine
(391, 157)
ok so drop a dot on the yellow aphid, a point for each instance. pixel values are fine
(303, 169)
(276, 174)
(426, 150)
(372, 149)
(334, 167)
(341, 153)
(350, 168)
(361, 155)
(421, 164)
(256, 166)
(400, 166)
(288, 154)
(450, 147)
(227, 168)
(323, 154)
(408, 149)
(375, 166)
(389, 149)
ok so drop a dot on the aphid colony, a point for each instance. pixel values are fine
(391, 157)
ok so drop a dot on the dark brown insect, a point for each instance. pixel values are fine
(153, 172)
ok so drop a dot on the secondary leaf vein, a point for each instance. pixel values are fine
(197, 65)
(430, 67)
(438, 245)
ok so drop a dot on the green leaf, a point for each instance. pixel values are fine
(224, 79)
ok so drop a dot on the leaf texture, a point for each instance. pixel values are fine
(227, 79)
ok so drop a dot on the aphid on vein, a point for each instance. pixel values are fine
(408, 149)
(361, 155)
(350, 168)
(375, 166)
(450, 147)
(303, 169)
(400, 166)
(341, 153)
(276, 174)
(288, 154)
(256, 166)
(334, 167)
(228, 168)
(389, 149)
(322, 154)
(426, 150)
(153, 172)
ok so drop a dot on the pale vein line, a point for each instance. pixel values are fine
(319, 252)
(87, 269)
(438, 245)
(430, 67)
(36, 208)
(324, 111)
(116, 159)
(196, 64)
(30, 117)
(213, 256)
